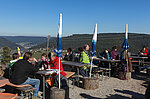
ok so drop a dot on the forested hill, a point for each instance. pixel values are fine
(26, 41)
(5, 42)
(20, 39)
(105, 40)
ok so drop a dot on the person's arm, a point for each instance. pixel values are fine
(81, 57)
(101, 55)
(66, 57)
(112, 54)
(73, 57)
(34, 68)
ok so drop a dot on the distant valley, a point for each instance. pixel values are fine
(105, 40)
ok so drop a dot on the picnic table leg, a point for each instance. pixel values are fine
(78, 77)
(43, 87)
(142, 62)
(109, 70)
(86, 73)
(139, 62)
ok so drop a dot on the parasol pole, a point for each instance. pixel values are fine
(94, 40)
(59, 43)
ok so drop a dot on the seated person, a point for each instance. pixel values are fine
(21, 71)
(84, 58)
(114, 53)
(15, 57)
(54, 63)
(69, 56)
(105, 54)
(143, 51)
(45, 62)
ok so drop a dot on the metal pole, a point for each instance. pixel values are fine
(91, 66)
(43, 86)
(48, 37)
(78, 75)
(109, 70)
(59, 72)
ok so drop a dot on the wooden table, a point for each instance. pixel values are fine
(139, 59)
(74, 64)
(106, 60)
(46, 73)
(77, 65)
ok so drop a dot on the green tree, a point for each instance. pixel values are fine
(6, 55)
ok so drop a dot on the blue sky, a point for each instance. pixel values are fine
(41, 17)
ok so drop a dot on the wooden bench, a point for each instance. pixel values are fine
(94, 66)
(147, 63)
(3, 82)
(51, 81)
(135, 61)
(8, 96)
(98, 73)
(106, 71)
(74, 79)
(80, 76)
(69, 74)
(26, 90)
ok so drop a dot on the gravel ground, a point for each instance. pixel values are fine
(113, 88)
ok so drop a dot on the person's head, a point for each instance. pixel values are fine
(27, 56)
(69, 50)
(114, 48)
(15, 56)
(51, 56)
(144, 47)
(80, 49)
(106, 50)
(43, 56)
(86, 47)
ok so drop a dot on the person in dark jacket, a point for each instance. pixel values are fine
(45, 62)
(105, 54)
(21, 71)
(69, 56)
